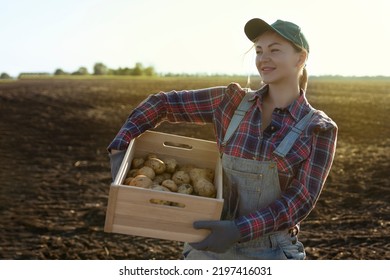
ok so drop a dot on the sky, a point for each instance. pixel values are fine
(346, 37)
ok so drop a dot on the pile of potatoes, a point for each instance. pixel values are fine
(167, 175)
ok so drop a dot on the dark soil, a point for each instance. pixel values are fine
(55, 172)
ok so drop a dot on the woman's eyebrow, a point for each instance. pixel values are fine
(273, 44)
(269, 46)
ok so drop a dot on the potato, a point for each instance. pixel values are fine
(151, 156)
(170, 164)
(205, 173)
(132, 173)
(185, 189)
(178, 204)
(156, 164)
(166, 175)
(141, 181)
(159, 179)
(137, 163)
(159, 201)
(147, 171)
(128, 180)
(181, 177)
(171, 185)
(186, 167)
(160, 188)
(204, 187)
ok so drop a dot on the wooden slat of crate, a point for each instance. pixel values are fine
(135, 214)
(202, 153)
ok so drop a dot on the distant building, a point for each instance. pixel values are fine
(33, 74)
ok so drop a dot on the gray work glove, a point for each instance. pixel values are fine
(116, 161)
(223, 235)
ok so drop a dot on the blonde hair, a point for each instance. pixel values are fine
(303, 79)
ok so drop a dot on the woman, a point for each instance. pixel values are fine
(276, 149)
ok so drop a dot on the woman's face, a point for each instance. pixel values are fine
(276, 59)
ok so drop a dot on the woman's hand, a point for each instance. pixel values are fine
(223, 235)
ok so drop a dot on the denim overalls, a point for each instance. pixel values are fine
(249, 185)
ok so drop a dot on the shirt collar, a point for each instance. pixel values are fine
(297, 109)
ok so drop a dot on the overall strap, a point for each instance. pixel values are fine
(239, 114)
(285, 146)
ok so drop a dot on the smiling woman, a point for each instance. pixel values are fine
(276, 149)
(281, 55)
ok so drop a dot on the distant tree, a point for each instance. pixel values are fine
(81, 71)
(138, 70)
(5, 76)
(112, 72)
(59, 72)
(149, 71)
(100, 69)
(122, 71)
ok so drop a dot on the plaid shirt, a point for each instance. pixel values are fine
(302, 173)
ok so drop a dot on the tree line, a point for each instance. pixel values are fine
(98, 69)
(101, 69)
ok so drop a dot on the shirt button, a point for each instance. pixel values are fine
(272, 128)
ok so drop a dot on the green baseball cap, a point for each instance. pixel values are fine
(288, 30)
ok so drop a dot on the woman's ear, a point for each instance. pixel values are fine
(302, 57)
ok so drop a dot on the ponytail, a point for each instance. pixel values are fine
(303, 79)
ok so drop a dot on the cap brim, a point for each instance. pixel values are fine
(255, 27)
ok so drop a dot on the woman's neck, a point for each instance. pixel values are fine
(282, 95)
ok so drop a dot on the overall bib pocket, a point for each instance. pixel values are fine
(245, 191)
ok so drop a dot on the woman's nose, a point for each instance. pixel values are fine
(263, 57)
(260, 59)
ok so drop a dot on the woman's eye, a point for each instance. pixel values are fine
(274, 50)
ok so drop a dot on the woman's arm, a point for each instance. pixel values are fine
(195, 106)
(300, 197)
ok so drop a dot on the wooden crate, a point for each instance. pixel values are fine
(129, 208)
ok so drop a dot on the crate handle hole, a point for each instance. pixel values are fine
(177, 145)
(167, 203)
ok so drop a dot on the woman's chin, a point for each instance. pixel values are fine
(267, 80)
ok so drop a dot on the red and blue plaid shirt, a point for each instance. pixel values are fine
(302, 173)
